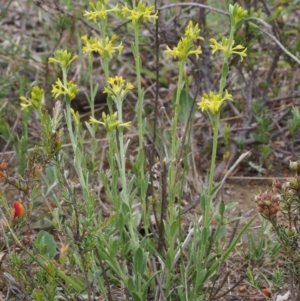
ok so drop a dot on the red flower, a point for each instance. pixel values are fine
(18, 209)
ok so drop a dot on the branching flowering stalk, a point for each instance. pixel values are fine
(137, 15)
(118, 89)
(212, 103)
(105, 46)
(184, 49)
(68, 89)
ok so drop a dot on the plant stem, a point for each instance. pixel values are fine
(216, 125)
(125, 195)
(75, 144)
(172, 172)
(141, 129)
(207, 199)
(174, 141)
(122, 153)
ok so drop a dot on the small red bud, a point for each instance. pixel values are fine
(18, 209)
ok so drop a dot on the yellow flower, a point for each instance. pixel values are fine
(37, 98)
(185, 46)
(212, 102)
(59, 89)
(126, 125)
(140, 14)
(63, 58)
(237, 14)
(110, 122)
(76, 117)
(94, 120)
(105, 49)
(192, 32)
(25, 103)
(117, 87)
(183, 50)
(228, 49)
(99, 11)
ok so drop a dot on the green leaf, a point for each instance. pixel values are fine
(220, 232)
(45, 242)
(167, 229)
(231, 205)
(203, 201)
(168, 260)
(178, 143)
(204, 235)
(174, 228)
(74, 281)
(201, 278)
(136, 297)
(215, 189)
(225, 70)
(5, 131)
(113, 247)
(130, 284)
(38, 295)
(186, 103)
(125, 209)
(181, 295)
(211, 258)
(222, 208)
(148, 282)
(108, 221)
(138, 261)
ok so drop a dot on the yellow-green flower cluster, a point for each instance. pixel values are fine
(237, 14)
(99, 11)
(212, 102)
(185, 46)
(110, 122)
(117, 87)
(59, 89)
(139, 14)
(63, 58)
(228, 49)
(76, 117)
(105, 48)
(37, 98)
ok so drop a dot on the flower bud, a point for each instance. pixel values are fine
(37, 170)
(294, 165)
(268, 204)
(18, 210)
